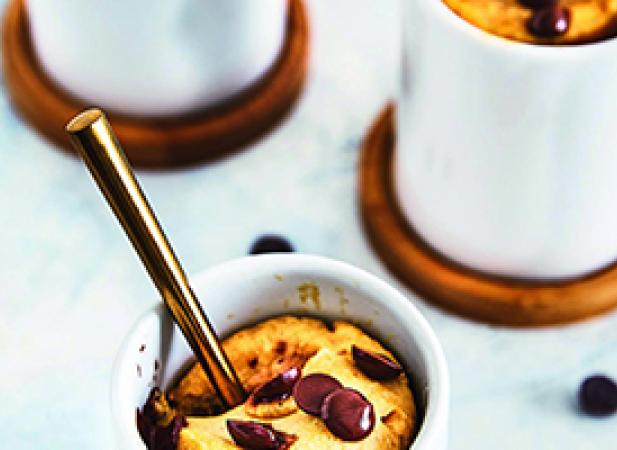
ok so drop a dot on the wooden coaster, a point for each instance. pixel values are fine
(165, 142)
(473, 294)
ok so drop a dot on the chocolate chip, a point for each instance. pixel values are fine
(253, 362)
(155, 436)
(167, 438)
(145, 427)
(271, 243)
(375, 366)
(310, 392)
(348, 415)
(277, 389)
(597, 396)
(258, 436)
(281, 347)
(551, 21)
(537, 4)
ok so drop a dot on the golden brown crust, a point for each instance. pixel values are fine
(261, 352)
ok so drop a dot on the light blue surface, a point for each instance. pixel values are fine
(71, 286)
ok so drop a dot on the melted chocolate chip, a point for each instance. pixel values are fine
(551, 21)
(167, 438)
(271, 243)
(537, 4)
(149, 423)
(277, 389)
(310, 392)
(597, 396)
(375, 366)
(348, 415)
(145, 427)
(158, 437)
(258, 436)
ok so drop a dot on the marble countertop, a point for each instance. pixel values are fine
(72, 287)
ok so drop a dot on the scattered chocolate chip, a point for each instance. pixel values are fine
(142, 348)
(375, 366)
(550, 21)
(277, 389)
(156, 364)
(271, 243)
(138, 370)
(310, 392)
(597, 396)
(348, 415)
(253, 362)
(258, 436)
(537, 4)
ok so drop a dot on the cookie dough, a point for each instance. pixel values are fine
(590, 20)
(262, 352)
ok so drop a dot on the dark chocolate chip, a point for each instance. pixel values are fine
(258, 436)
(167, 438)
(277, 389)
(376, 366)
(271, 243)
(348, 415)
(156, 412)
(310, 392)
(537, 4)
(158, 437)
(597, 396)
(551, 21)
(146, 428)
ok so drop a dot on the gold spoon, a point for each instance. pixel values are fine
(93, 137)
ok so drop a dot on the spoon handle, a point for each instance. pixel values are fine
(93, 137)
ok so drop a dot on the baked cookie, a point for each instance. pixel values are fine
(276, 346)
(556, 22)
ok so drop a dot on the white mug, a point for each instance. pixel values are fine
(247, 290)
(507, 153)
(156, 58)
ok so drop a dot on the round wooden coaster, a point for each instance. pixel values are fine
(473, 294)
(160, 142)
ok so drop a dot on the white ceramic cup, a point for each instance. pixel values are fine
(247, 290)
(507, 152)
(156, 58)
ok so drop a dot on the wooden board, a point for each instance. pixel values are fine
(161, 142)
(473, 294)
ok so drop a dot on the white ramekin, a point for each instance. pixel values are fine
(159, 58)
(247, 290)
(506, 151)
